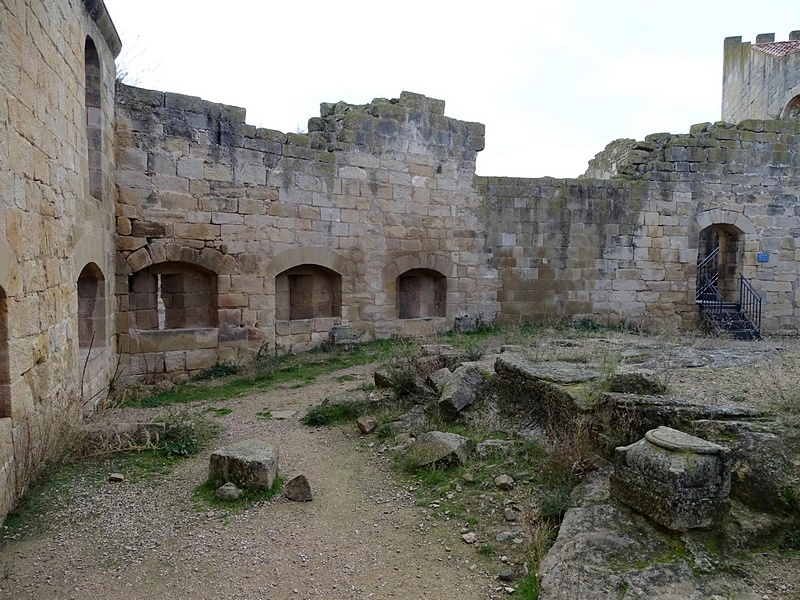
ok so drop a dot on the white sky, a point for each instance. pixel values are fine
(553, 82)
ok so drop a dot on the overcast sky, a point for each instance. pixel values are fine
(553, 82)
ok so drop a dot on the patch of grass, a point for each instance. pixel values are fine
(348, 377)
(329, 413)
(487, 550)
(528, 587)
(217, 411)
(386, 431)
(223, 369)
(267, 372)
(186, 433)
(264, 415)
(205, 495)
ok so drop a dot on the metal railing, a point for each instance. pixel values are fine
(707, 278)
(750, 304)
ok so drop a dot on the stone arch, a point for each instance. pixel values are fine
(295, 257)
(721, 242)
(792, 110)
(94, 117)
(91, 307)
(418, 283)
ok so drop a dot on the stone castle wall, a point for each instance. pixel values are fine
(759, 81)
(56, 237)
(626, 248)
(372, 211)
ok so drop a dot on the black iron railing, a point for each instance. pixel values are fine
(750, 304)
(707, 278)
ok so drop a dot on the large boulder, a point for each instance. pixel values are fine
(439, 448)
(249, 463)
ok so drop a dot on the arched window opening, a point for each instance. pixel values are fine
(308, 292)
(91, 308)
(5, 373)
(719, 259)
(421, 293)
(94, 133)
(172, 295)
(792, 111)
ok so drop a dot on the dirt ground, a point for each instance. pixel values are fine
(363, 536)
(359, 538)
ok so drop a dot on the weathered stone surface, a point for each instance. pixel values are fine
(249, 463)
(679, 480)
(605, 549)
(761, 467)
(469, 537)
(504, 482)
(383, 379)
(298, 489)
(493, 448)
(437, 447)
(460, 391)
(367, 423)
(641, 384)
(554, 372)
(116, 477)
(439, 379)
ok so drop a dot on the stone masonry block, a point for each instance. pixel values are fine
(678, 480)
(249, 464)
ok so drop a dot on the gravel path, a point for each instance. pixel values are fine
(361, 536)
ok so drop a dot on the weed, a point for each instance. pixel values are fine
(329, 413)
(348, 377)
(218, 412)
(487, 550)
(223, 369)
(386, 431)
(186, 433)
(205, 494)
(264, 415)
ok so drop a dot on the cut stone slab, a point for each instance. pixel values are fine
(343, 335)
(678, 480)
(461, 389)
(298, 489)
(281, 415)
(554, 372)
(249, 464)
(438, 447)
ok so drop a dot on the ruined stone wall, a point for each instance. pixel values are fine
(300, 232)
(760, 80)
(626, 248)
(54, 236)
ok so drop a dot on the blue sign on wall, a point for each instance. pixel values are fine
(763, 257)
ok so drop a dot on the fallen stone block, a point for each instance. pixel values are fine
(249, 464)
(438, 447)
(460, 391)
(367, 423)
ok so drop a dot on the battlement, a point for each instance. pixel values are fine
(761, 80)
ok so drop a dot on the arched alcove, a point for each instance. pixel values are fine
(91, 308)
(94, 120)
(308, 292)
(421, 293)
(172, 295)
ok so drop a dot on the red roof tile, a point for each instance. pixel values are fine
(778, 49)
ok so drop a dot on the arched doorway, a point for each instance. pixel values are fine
(792, 111)
(728, 303)
(719, 258)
